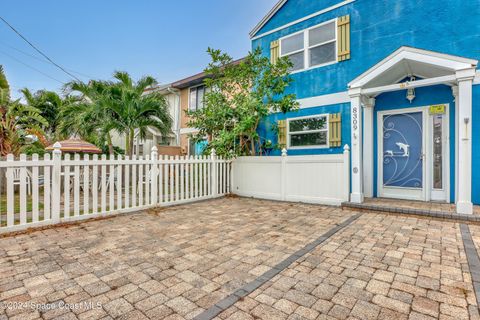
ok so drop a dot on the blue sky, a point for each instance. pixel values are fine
(165, 39)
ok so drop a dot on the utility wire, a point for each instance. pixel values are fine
(43, 60)
(29, 66)
(38, 50)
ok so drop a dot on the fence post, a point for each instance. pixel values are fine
(346, 172)
(154, 177)
(232, 175)
(213, 158)
(283, 175)
(56, 174)
(10, 193)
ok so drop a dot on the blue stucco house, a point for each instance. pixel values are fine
(395, 80)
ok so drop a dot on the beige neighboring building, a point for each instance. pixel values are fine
(182, 96)
(192, 92)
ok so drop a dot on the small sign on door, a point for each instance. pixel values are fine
(437, 109)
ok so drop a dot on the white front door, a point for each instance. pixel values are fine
(413, 154)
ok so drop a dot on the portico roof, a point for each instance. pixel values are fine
(408, 61)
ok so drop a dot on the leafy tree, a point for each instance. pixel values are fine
(239, 95)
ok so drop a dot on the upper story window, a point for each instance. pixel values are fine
(312, 47)
(196, 99)
(308, 132)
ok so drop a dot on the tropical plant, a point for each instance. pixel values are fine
(4, 89)
(240, 95)
(117, 106)
(17, 121)
(50, 105)
(86, 116)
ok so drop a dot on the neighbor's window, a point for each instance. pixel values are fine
(308, 132)
(312, 47)
(196, 98)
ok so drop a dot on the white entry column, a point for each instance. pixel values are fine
(464, 140)
(356, 126)
(368, 107)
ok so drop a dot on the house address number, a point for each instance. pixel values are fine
(355, 118)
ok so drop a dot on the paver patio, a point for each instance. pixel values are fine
(177, 262)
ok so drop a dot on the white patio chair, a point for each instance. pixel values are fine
(147, 177)
(115, 178)
(17, 181)
(82, 177)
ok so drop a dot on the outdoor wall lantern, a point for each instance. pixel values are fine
(411, 91)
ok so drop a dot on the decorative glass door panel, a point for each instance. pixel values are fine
(403, 150)
(437, 151)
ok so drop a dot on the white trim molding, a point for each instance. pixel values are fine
(279, 5)
(464, 140)
(324, 100)
(188, 130)
(368, 105)
(357, 194)
(435, 59)
(477, 78)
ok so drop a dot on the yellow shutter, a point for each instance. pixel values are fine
(274, 51)
(343, 41)
(282, 133)
(335, 130)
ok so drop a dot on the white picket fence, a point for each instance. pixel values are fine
(59, 189)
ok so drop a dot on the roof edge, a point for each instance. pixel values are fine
(267, 17)
(401, 50)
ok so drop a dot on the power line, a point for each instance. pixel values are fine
(43, 60)
(38, 50)
(29, 66)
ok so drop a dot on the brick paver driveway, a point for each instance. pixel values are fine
(182, 261)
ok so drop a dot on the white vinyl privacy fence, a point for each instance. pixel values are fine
(61, 188)
(323, 179)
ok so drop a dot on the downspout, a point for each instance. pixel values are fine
(178, 112)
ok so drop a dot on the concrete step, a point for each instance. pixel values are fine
(409, 211)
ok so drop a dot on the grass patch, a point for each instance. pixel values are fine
(3, 203)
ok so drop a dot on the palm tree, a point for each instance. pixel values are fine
(119, 106)
(87, 115)
(50, 104)
(4, 88)
(135, 111)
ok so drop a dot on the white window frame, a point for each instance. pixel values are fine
(189, 93)
(318, 146)
(307, 47)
